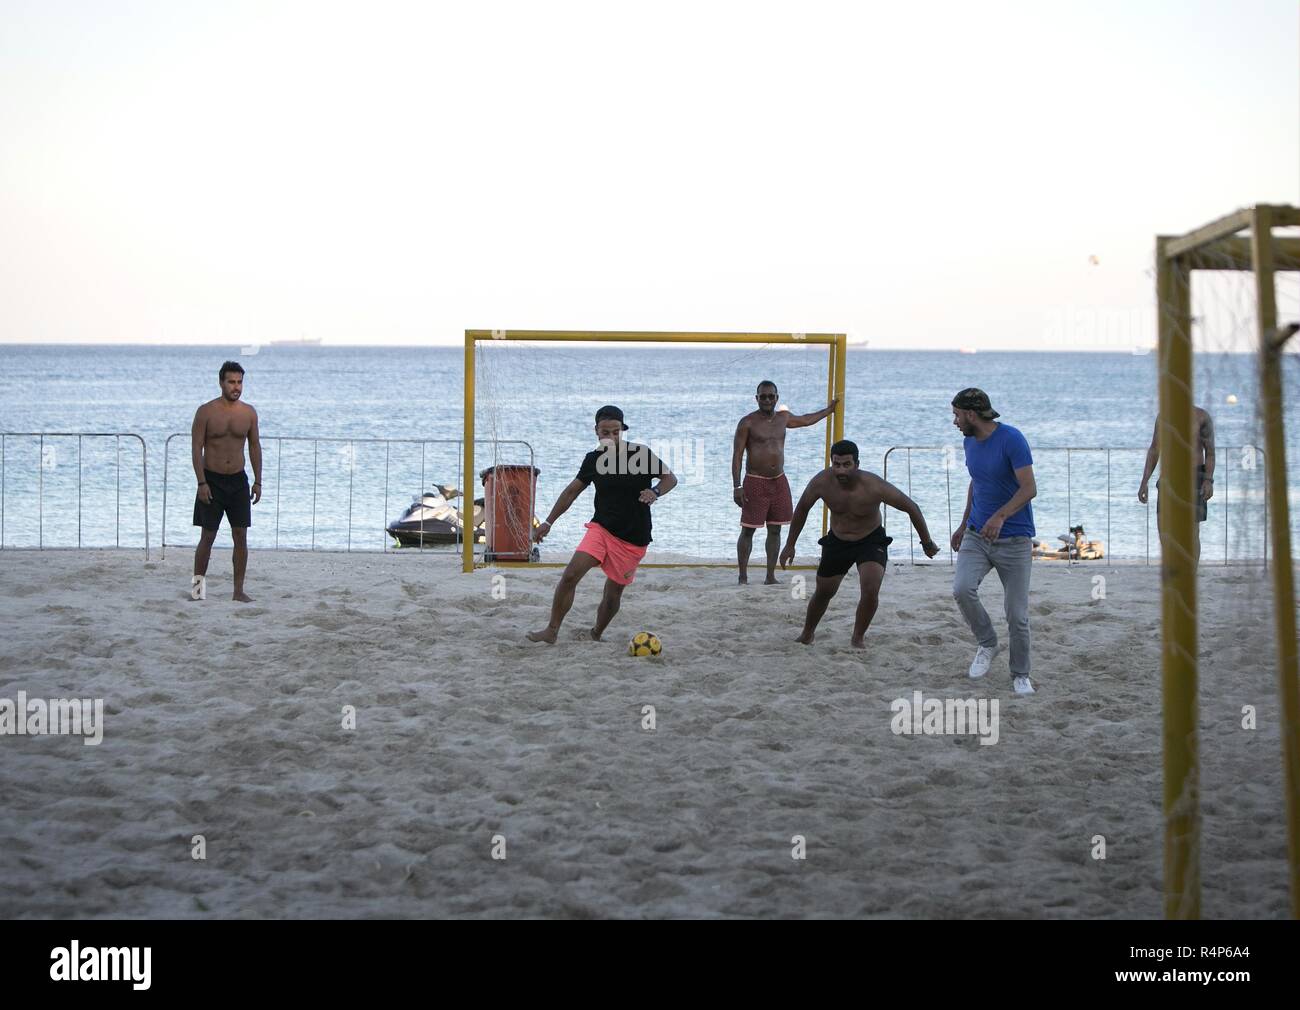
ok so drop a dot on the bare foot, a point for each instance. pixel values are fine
(742, 581)
(595, 635)
(546, 635)
(771, 580)
(859, 643)
(242, 597)
(806, 638)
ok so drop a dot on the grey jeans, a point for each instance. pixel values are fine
(1011, 557)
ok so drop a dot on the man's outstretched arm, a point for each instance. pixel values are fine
(567, 497)
(895, 499)
(804, 420)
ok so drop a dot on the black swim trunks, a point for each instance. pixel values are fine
(1202, 506)
(230, 497)
(838, 556)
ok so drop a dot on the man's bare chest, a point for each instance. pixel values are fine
(228, 426)
(857, 502)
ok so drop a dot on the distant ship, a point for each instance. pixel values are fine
(1140, 349)
(300, 342)
(857, 345)
(966, 350)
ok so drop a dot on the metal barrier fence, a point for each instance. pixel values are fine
(344, 454)
(1251, 497)
(47, 461)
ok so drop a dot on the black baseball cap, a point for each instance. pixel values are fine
(610, 413)
(976, 400)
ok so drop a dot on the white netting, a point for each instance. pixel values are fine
(1225, 339)
(683, 400)
(1238, 688)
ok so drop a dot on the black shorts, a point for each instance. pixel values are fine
(231, 497)
(838, 556)
(1202, 506)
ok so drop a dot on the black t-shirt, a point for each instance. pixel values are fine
(620, 475)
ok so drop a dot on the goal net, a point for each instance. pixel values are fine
(682, 395)
(1225, 293)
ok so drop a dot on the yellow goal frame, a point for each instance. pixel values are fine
(1218, 246)
(837, 355)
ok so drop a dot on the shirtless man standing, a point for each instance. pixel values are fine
(217, 438)
(857, 536)
(764, 497)
(1204, 471)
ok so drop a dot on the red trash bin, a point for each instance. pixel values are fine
(509, 492)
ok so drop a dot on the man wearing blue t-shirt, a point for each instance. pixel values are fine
(996, 531)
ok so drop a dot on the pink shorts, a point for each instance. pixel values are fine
(767, 502)
(618, 558)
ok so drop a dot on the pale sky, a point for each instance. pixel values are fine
(929, 174)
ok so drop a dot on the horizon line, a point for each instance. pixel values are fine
(1144, 350)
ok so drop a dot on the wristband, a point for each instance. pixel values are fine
(203, 483)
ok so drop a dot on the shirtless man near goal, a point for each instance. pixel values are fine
(221, 427)
(764, 496)
(857, 537)
(1204, 460)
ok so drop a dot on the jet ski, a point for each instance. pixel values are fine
(432, 519)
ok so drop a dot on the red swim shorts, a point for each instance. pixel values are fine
(618, 558)
(767, 501)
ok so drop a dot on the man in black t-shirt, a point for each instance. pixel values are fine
(619, 532)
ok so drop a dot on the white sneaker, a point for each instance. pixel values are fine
(1022, 685)
(983, 660)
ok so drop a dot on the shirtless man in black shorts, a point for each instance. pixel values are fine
(1204, 460)
(221, 427)
(857, 536)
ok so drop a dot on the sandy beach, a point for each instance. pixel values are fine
(226, 721)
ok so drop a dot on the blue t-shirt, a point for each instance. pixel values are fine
(992, 465)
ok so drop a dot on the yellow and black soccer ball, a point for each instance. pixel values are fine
(644, 643)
